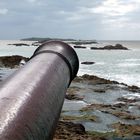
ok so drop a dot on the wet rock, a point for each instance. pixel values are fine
(126, 100)
(123, 115)
(72, 131)
(73, 97)
(134, 88)
(124, 130)
(94, 79)
(67, 130)
(80, 47)
(110, 47)
(86, 117)
(11, 61)
(73, 90)
(19, 44)
(88, 63)
(71, 94)
(116, 47)
(116, 110)
(36, 44)
(100, 90)
(84, 42)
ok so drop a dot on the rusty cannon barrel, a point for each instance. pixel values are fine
(31, 98)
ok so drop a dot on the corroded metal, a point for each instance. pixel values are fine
(31, 99)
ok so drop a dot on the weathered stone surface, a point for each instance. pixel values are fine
(80, 47)
(87, 62)
(126, 129)
(11, 61)
(94, 79)
(19, 44)
(83, 42)
(72, 131)
(110, 47)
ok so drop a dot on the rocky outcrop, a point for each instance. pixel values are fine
(83, 42)
(87, 62)
(71, 131)
(80, 47)
(110, 47)
(94, 79)
(11, 61)
(19, 44)
(126, 129)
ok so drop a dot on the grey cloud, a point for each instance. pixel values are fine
(63, 18)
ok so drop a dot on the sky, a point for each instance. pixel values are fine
(77, 19)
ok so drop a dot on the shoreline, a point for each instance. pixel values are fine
(111, 117)
(102, 98)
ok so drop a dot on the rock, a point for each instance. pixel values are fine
(110, 47)
(134, 88)
(11, 61)
(84, 42)
(124, 130)
(71, 94)
(88, 63)
(19, 44)
(127, 100)
(86, 117)
(100, 90)
(73, 97)
(81, 47)
(118, 111)
(72, 131)
(65, 130)
(94, 79)
(36, 44)
(116, 47)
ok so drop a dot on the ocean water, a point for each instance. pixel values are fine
(120, 65)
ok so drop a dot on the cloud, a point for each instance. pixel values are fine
(116, 7)
(3, 11)
(32, 1)
(69, 18)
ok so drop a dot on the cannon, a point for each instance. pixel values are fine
(31, 98)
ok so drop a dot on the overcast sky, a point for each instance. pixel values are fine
(78, 19)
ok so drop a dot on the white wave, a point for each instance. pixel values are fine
(100, 63)
(132, 96)
(128, 64)
(132, 60)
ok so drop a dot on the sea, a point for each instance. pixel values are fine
(119, 65)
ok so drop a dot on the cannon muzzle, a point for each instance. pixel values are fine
(31, 98)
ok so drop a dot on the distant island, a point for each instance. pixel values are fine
(46, 39)
(71, 41)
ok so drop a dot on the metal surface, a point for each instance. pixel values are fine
(31, 99)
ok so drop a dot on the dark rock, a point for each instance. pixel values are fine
(73, 97)
(99, 90)
(110, 47)
(80, 47)
(11, 61)
(94, 79)
(116, 47)
(72, 131)
(84, 42)
(88, 63)
(36, 44)
(19, 44)
(123, 130)
(134, 88)
(65, 129)
(123, 99)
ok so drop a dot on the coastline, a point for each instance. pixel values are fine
(97, 108)
(101, 109)
(98, 118)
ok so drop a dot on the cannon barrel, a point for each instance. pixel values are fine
(31, 98)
